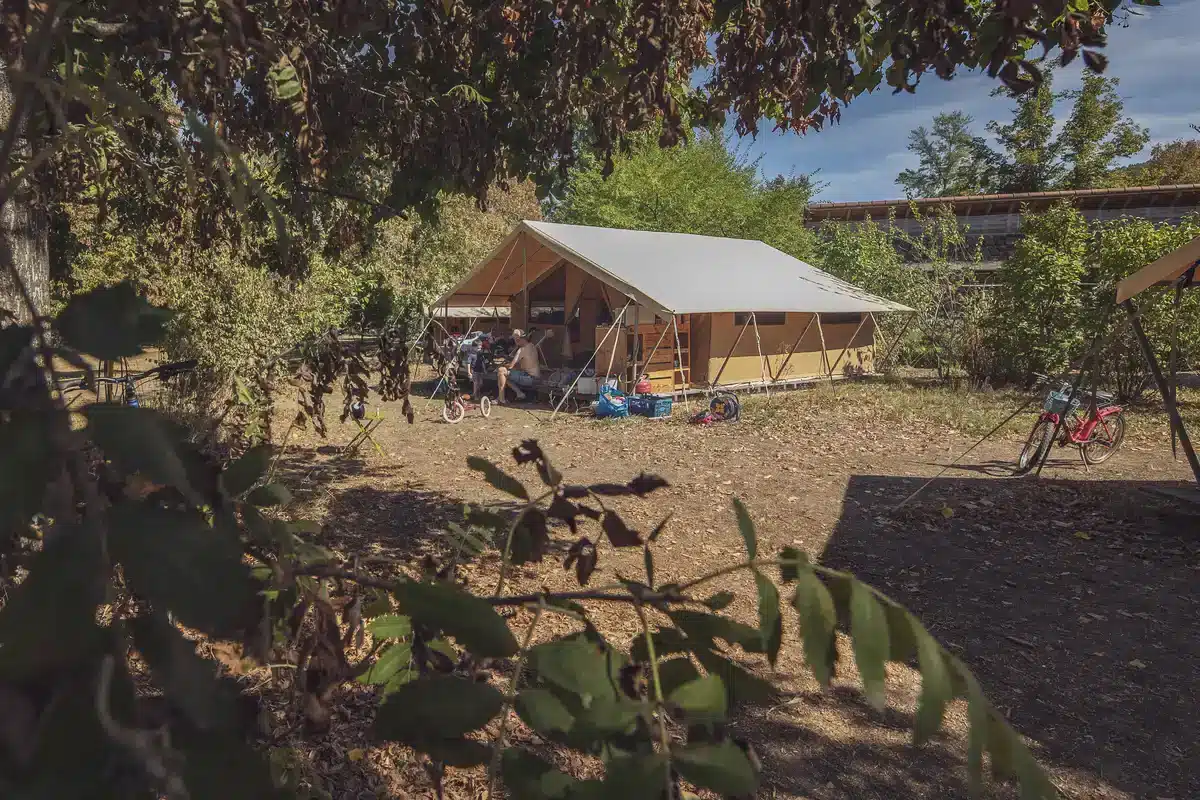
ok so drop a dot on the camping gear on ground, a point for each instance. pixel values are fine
(723, 407)
(612, 403)
(651, 405)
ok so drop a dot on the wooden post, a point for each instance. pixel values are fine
(762, 367)
(795, 345)
(1168, 399)
(637, 340)
(846, 349)
(525, 284)
(824, 355)
(717, 380)
(683, 377)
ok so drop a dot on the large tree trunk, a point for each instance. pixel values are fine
(23, 230)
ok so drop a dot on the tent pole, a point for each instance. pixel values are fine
(634, 376)
(846, 349)
(525, 284)
(683, 378)
(896, 342)
(1173, 377)
(824, 354)
(762, 364)
(877, 331)
(1164, 390)
(571, 388)
(795, 346)
(717, 380)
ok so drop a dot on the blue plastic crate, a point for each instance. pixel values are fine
(661, 407)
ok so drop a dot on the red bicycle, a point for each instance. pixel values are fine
(1098, 433)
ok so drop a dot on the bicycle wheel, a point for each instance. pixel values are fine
(454, 411)
(1037, 443)
(485, 406)
(1105, 439)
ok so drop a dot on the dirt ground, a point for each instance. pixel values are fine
(1071, 596)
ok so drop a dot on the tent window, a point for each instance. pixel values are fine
(841, 319)
(763, 318)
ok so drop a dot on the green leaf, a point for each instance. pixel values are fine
(637, 777)
(241, 475)
(902, 636)
(792, 561)
(390, 661)
(977, 734)
(814, 604)
(470, 620)
(704, 628)
(579, 666)
(390, 626)
(724, 768)
(770, 621)
(189, 681)
(528, 777)
(740, 685)
(497, 477)
(719, 601)
(272, 494)
(675, 672)
(140, 440)
(111, 322)
(868, 624)
(648, 561)
(48, 619)
(703, 700)
(746, 527)
(937, 690)
(456, 752)
(180, 564)
(542, 711)
(436, 707)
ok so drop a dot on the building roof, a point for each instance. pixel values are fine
(1129, 196)
(675, 273)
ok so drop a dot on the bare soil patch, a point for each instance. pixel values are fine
(1072, 596)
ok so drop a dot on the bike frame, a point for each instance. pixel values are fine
(1079, 428)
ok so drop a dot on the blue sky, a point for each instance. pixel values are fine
(1155, 57)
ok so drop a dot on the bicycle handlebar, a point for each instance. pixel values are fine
(162, 372)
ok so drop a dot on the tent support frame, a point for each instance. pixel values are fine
(717, 380)
(795, 347)
(763, 369)
(896, 342)
(1161, 382)
(620, 319)
(684, 379)
(846, 349)
(824, 353)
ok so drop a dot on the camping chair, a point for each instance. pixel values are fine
(358, 412)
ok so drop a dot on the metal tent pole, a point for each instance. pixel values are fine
(899, 338)
(1163, 388)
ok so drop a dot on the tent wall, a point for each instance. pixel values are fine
(777, 340)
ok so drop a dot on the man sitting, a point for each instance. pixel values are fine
(522, 370)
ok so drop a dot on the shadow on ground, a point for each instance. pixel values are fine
(1073, 601)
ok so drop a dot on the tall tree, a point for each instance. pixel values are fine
(952, 160)
(1169, 163)
(1097, 134)
(1027, 160)
(702, 187)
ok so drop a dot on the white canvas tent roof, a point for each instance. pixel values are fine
(467, 312)
(674, 273)
(1165, 270)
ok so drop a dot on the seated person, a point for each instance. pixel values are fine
(522, 370)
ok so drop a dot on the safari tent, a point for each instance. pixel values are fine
(687, 311)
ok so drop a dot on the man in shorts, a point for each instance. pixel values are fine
(522, 370)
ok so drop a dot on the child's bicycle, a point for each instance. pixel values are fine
(456, 405)
(1098, 433)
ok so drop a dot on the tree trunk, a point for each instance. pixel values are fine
(24, 229)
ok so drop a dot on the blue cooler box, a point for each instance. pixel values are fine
(650, 405)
